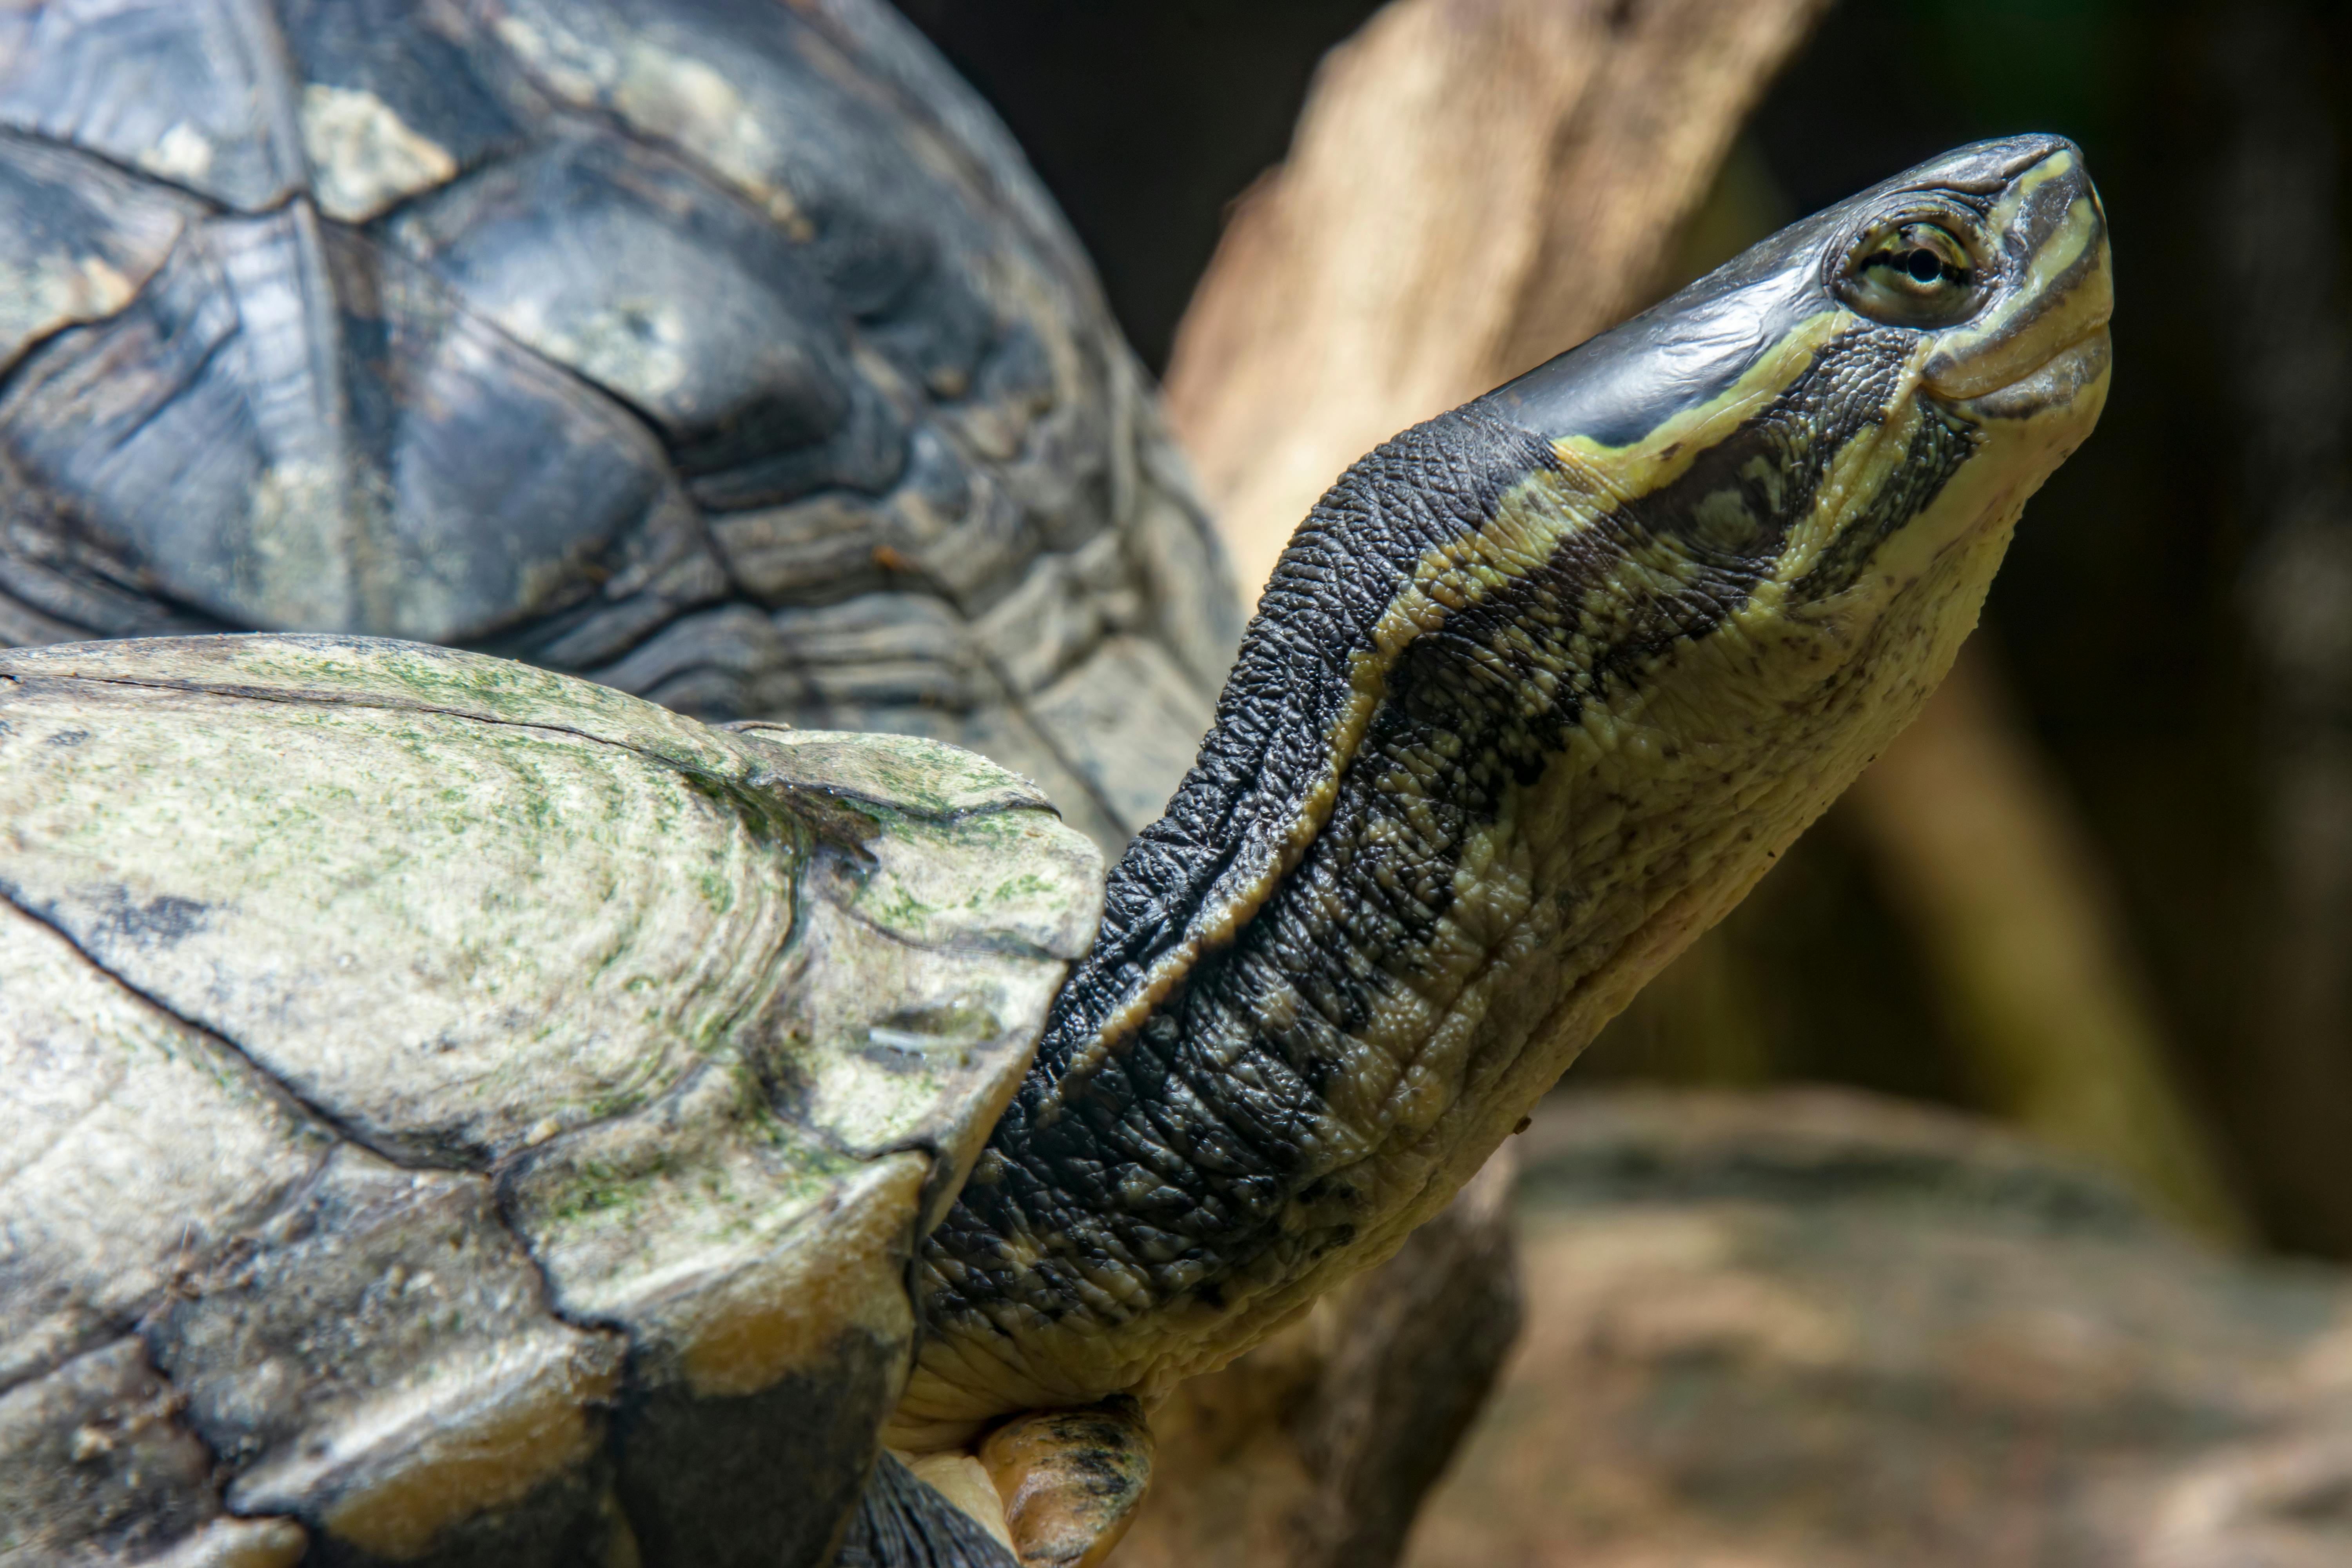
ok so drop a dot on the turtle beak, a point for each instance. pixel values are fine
(2048, 321)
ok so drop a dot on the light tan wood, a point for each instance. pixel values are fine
(1819, 1329)
(1473, 187)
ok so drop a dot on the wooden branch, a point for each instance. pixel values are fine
(1474, 186)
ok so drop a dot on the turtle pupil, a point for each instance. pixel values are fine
(1925, 264)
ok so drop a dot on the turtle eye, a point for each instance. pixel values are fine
(1914, 273)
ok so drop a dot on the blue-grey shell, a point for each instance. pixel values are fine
(723, 351)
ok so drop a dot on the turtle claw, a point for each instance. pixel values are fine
(1070, 1480)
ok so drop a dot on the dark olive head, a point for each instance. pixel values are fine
(1990, 263)
(1872, 391)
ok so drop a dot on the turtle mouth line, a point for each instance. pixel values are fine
(2054, 382)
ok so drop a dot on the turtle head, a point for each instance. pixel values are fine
(1861, 402)
(1797, 475)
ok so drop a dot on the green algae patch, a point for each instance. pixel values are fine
(724, 1017)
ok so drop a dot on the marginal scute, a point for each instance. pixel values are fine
(1125, 719)
(781, 1468)
(972, 553)
(949, 514)
(760, 1276)
(679, 1219)
(813, 662)
(1004, 884)
(1007, 735)
(902, 663)
(98, 1470)
(911, 775)
(886, 1047)
(380, 1359)
(1187, 581)
(818, 550)
(1057, 614)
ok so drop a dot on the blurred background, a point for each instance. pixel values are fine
(1978, 1192)
(2167, 645)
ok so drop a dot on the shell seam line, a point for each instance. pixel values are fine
(1014, 947)
(854, 798)
(1018, 702)
(213, 205)
(335, 1125)
(9, 600)
(341, 1134)
(84, 577)
(388, 704)
(560, 128)
(14, 897)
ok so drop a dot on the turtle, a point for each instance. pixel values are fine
(726, 351)
(480, 1116)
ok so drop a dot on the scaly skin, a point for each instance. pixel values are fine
(1537, 692)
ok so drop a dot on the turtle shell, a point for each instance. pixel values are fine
(451, 1112)
(725, 352)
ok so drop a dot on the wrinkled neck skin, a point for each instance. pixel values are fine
(1512, 726)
